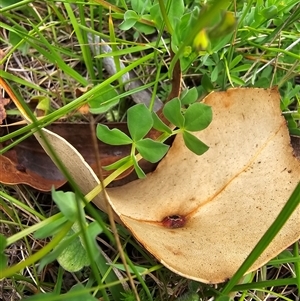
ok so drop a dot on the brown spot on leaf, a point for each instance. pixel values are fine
(174, 221)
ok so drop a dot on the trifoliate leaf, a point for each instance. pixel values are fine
(190, 96)
(67, 203)
(197, 117)
(139, 121)
(159, 125)
(172, 111)
(151, 150)
(194, 144)
(112, 136)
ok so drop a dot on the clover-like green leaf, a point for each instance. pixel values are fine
(159, 125)
(189, 96)
(67, 203)
(151, 150)
(54, 254)
(194, 144)
(197, 117)
(139, 121)
(112, 136)
(74, 257)
(172, 111)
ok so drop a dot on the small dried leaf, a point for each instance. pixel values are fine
(3, 102)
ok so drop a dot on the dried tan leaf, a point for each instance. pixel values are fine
(228, 197)
(222, 202)
(3, 102)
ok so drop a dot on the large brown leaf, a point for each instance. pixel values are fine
(202, 216)
(228, 197)
(27, 162)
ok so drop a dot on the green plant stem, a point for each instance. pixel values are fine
(21, 205)
(277, 50)
(28, 231)
(297, 264)
(165, 16)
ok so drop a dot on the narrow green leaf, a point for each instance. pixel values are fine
(140, 173)
(2, 243)
(206, 83)
(235, 61)
(92, 231)
(3, 262)
(159, 125)
(43, 296)
(139, 121)
(151, 150)
(118, 163)
(197, 117)
(215, 73)
(67, 203)
(172, 111)
(121, 267)
(50, 229)
(189, 97)
(237, 80)
(105, 101)
(244, 67)
(194, 144)
(112, 136)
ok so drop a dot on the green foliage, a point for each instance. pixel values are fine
(76, 293)
(219, 45)
(50, 229)
(74, 256)
(105, 101)
(140, 120)
(3, 258)
(172, 111)
(67, 204)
